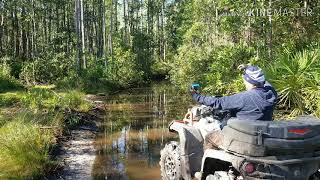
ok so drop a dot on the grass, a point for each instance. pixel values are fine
(9, 99)
(24, 144)
(75, 100)
(39, 99)
(24, 149)
(88, 84)
(8, 84)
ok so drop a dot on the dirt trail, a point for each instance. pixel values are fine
(79, 155)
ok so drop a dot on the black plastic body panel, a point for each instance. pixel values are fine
(263, 138)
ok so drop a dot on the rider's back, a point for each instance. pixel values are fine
(257, 104)
(254, 104)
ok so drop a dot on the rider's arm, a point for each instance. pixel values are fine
(268, 86)
(233, 102)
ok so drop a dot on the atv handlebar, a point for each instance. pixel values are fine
(188, 118)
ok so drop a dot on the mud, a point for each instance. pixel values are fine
(78, 154)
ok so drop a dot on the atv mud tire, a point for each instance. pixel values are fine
(170, 162)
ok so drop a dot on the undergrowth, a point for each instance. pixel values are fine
(24, 149)
(28, 134)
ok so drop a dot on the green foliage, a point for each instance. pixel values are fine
(180, 18)
(223, 77)
(71, 81)
(72, 121)
(7, 82)
(317, 113)
(296, 77)
(5, 69)
(39, 99)
(216, 68)
(47, 69)
(75, 100)
(160, 69)
(24, 150)
(9, 99)
(123, 68)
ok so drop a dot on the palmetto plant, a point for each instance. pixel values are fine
(296, 78)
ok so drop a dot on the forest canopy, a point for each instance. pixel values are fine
(98, 44)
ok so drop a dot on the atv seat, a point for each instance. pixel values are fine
(263, 138)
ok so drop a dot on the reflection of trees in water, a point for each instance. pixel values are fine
(117, 148)
(135, 131)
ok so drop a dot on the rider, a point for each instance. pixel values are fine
(256, 103)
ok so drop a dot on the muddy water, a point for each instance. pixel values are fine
(135, 129)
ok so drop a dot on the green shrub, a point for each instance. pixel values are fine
(40, 98)
(9, 99)
(71, 81)
(47, 69)
(160, 68)
(23, 150)
(296, 78)
(75, 100)
(215, 69)
(90, 80)
(123, 69)
(317, 113)
(7, 82)
(5, 69)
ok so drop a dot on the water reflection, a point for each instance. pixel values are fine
(135, 130)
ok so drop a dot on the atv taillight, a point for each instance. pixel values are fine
(248, 167)
(299, 131)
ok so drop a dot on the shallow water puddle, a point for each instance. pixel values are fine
(79, 155)
(135, 130)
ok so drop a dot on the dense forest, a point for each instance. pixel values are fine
(96, 46)
(101, 43)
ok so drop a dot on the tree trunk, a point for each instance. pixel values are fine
(116, 16)
(81, 61)
(69, 41)
(24, 37)
(50, 27)
(162, 45)
(82, 35)
(77, 24)
(57, 17)
(104, 32)
(270, 32)
(45, 26)
(33, 34)
(1, 31)
(17, 34)
(125, 39)
(111, 33)
(13, 36)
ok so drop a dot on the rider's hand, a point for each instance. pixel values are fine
(242, 67)
(194, 91)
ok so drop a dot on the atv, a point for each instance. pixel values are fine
(253, 150)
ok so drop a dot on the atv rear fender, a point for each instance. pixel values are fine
(191, 145)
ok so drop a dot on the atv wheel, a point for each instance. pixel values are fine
(315, 176)
(170, 162)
